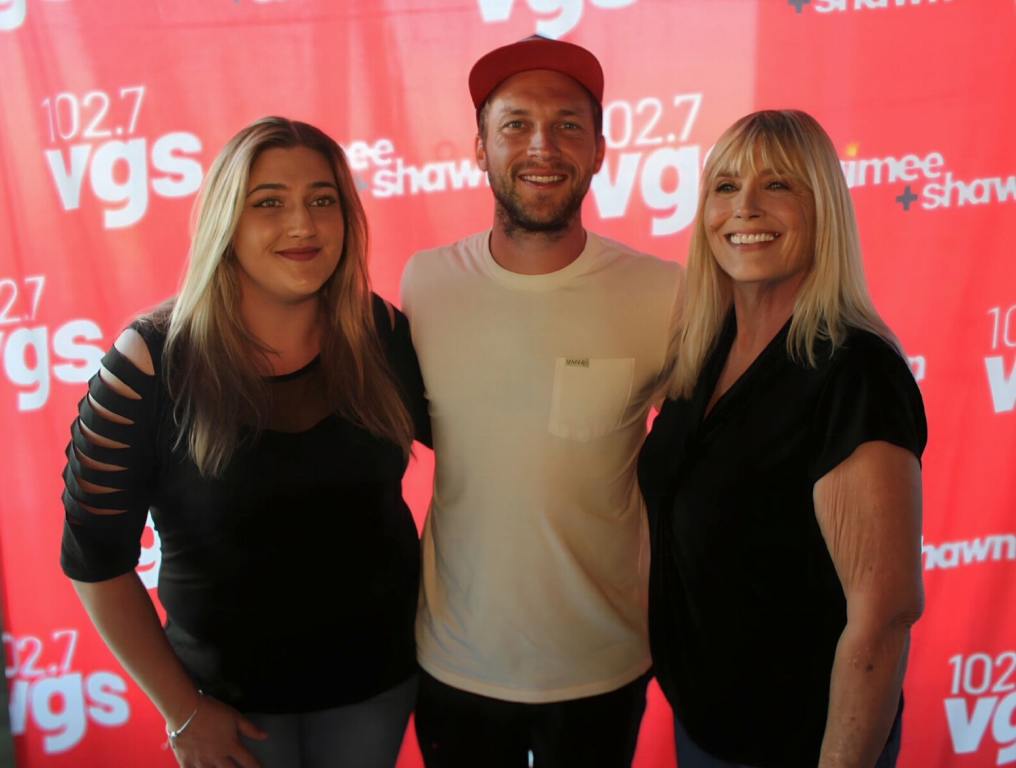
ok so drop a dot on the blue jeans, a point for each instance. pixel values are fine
(363, 735)
(691, 755)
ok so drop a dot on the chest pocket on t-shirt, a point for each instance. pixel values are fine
(590, 396)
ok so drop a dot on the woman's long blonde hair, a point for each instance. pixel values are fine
(833, 297)
(215, 366)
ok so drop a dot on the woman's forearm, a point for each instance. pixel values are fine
(864, 692)
(123, 613)
(869, 510)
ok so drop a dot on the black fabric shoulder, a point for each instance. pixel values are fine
(869, 394)
(107, 486)
(382, 316)
(398, 346)
(154, 334)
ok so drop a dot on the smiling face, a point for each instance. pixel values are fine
(540, 149)
(760, 225)
(288, 240)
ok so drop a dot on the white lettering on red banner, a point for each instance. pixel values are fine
(47, 692)
(831, 6)
(557, 17)
(953, 554)
(30, 358)
(1003, 339)
(12, 14)
(638, 132)
(983, 702)
(117, 167)
(918, 367)
(150, 560)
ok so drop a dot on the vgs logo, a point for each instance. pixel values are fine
(647, 143)
(48, 693)
(120, 168)
(559, 17)
(983, 702)
(12, 14)
(34, 353)
(1003, 340)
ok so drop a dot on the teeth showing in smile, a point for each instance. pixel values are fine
(543, 179)
(745, 239)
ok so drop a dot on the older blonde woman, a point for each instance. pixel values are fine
(782, 476)
(265, 416)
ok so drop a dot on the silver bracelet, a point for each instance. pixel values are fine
(175, 734)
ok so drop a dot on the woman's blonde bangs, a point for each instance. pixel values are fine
(753, 145)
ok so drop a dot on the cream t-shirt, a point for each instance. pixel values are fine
(535, 549)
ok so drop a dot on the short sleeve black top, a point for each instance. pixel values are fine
(290, 581)
(744, 602)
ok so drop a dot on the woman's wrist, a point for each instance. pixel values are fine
(173, 733)
(183, 710)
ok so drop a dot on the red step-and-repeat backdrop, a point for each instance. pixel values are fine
(111, 112)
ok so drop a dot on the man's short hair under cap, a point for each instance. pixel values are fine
(535, 52)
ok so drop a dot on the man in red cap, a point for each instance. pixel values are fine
(541, 345)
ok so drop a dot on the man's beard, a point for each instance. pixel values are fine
(515, 215)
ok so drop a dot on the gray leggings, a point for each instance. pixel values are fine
(364, 735)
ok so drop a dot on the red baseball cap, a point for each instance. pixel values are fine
(535, 52)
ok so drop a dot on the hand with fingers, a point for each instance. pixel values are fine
(210, 738)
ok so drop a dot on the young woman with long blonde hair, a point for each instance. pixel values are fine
(265, 416)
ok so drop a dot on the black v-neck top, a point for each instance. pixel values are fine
(745, 608)
(290, 581)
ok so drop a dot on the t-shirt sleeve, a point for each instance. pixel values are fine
(110, 465)
(869, 395)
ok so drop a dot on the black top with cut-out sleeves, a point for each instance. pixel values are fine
(289, 581)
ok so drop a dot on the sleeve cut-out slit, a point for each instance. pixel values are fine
(110, 462)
